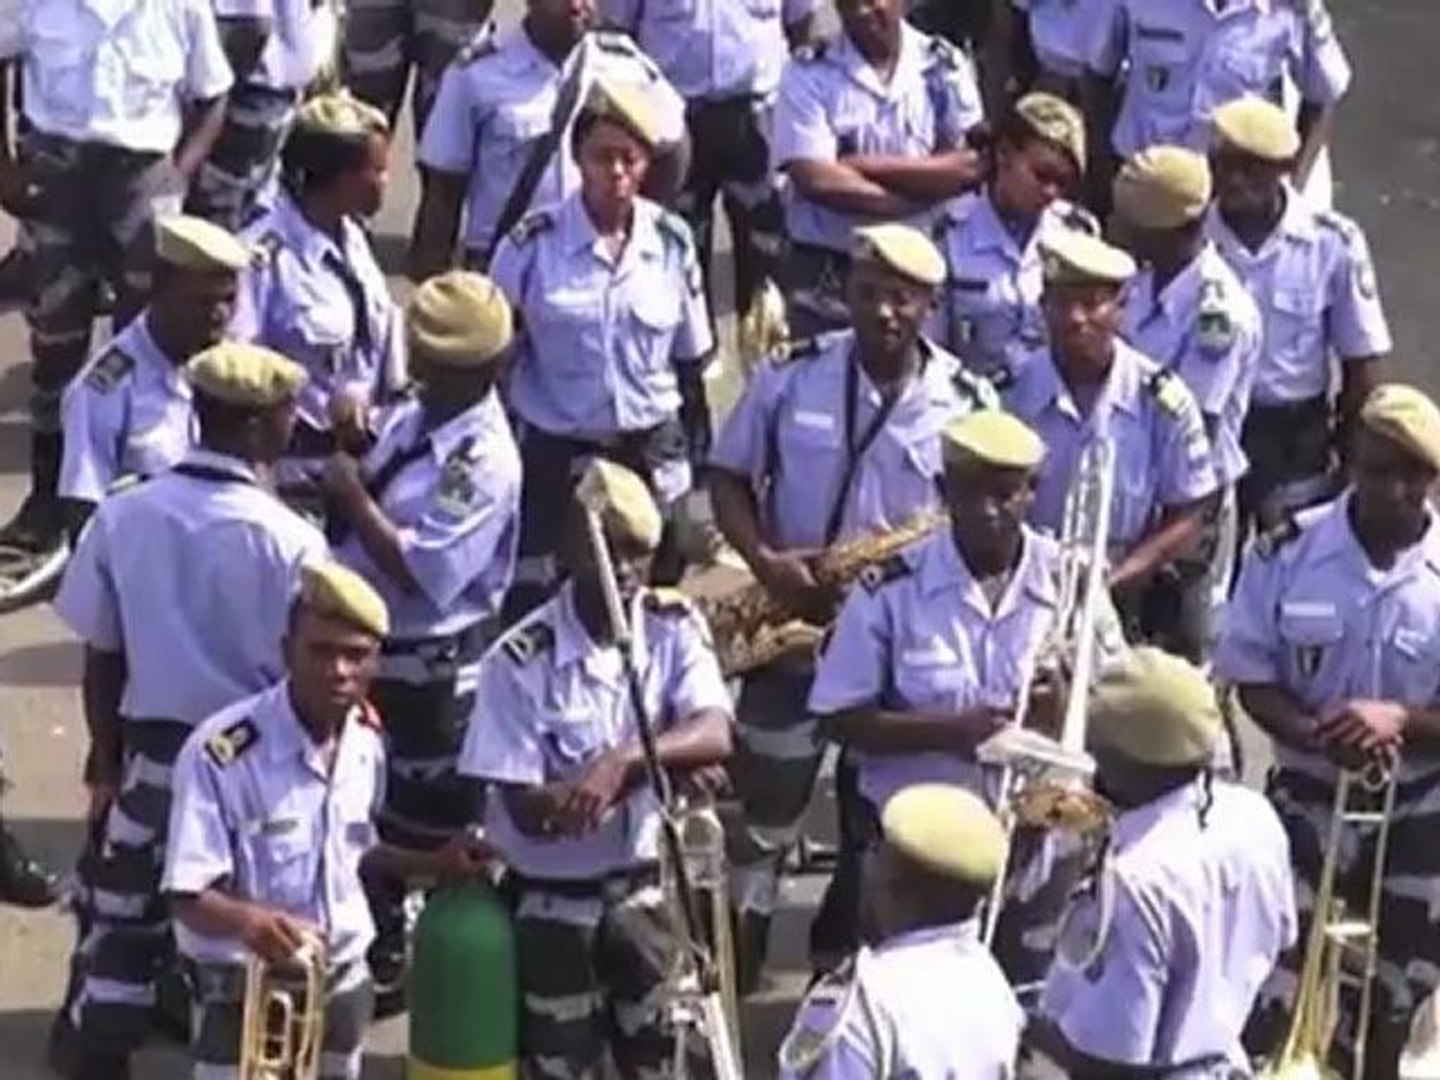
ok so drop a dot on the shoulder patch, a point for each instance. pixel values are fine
(1271, 540)
(109, 371)
(877, 575)
(524, 643)
(532, 225)
(674, 228)
(481, 44)
(818, 1021)
(225, 747)
(457, 493)
(976, 391)
(664, 601)
(1214, 328)
(1169, 392)
(812, 51)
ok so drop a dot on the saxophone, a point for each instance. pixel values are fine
(751, 628)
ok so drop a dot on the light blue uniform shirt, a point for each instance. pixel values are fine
(1202, 913)
(498, 98)
(989, 314)
(550, 700)
(191, 578)
(291, 58)
(713, 49)
(601, 336)
(1186, 58)
(128, 413)
(1162, 455)
(325, 305)
(277, 825)
(1312, 615)
(791, 438)
(1061, 31)
(1205, 328)
(929, 1003)
(1315, 286)
(120, 71)
(832, 104)
(456, 508)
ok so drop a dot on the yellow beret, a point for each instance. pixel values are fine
(1073, 257)
(947, 830)
(340, 113)
(337, 592)
(1257, 127)
(994, 437)
(1153, 708)
(1057, 120)
(623, 502)
(908, 252)
(193, 243)
(1406, 416)
(628, 105)
(459, 319)
(1163, 187)
(241, 374)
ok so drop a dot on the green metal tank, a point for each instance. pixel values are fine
(464, 994)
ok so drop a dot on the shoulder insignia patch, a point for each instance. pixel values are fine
(532, 225)
(524, 643)
(1168, 391)
(481, 44)
(977, 391)
(225, 747)
(457, 493)
(1214, 329)
(665, 601)
(109, 371)
(1269, 541)
(877, 575)
(818, 1021)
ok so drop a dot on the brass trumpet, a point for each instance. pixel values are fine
(283, 1021)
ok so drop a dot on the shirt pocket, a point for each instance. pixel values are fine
(929, 674)
(1296, 331)
(285, 865)
(654, 317)
(513, 130)
(809, 435)
(1135, 491)
(1160, 68)
(320, 321)
(1412, 663)
(567, 330)
(58, 63)
(1311, 634)
(152, 65)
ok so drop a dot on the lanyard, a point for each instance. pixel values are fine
(855, 447)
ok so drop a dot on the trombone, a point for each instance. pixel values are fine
(283, 1020)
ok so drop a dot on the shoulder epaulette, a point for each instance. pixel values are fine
(1078, 218)
(482, 43)
(674, 227)
(977, 390)
(107, 372)
(1001, 379)
(532, 225)
(615, 41)
(804, 348)
(946, 53)
(1338, 223)
(877, 575)
(1168, 391)
(1283, 532)
(125, 483)
(827, 1002)
(812, 51)
(664, 601)
(524, 643)
(225, 747)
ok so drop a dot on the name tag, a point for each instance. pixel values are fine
(970, 284)
(275, 827)
(1308, 609)
(932, 655)
(816, 421)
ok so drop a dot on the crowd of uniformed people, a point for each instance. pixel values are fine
(345, 625)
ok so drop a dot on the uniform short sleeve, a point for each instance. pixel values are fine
(198, 852)
(1322, 70)
(87, 603)
(1246, 651)
(696, 683)
(1186, 460)
(744, 442)
(452, 133)
(94, 424)
(1105, 46)
(694, 338)
(252, 293)
(502, 741)
(964, 107)
(207, 69)
(802, 127)
(509, 267)
(853, 667)
(1356, 317)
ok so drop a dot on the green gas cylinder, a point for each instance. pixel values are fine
(463, 988)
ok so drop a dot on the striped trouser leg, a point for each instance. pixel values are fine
(246, 156)
(377, 51)
(126, 939)
(441, 28)
(635, 953)
(562, 1005)
(217, 1020)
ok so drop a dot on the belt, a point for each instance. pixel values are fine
(1305, 409)
(612, 886)
(466, 644)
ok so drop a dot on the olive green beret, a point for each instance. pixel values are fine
(1153, 708)
(1406, 416)
(1072, 257)
(905, 250)
(1163, 187)
(459, 319)
(947, 830)
(340, 113)
(994, 437)
(337, 592)
(628, 105)
(1257, 127)
(622, 501)
(238, 373)
(192, 243)
(1056, 120)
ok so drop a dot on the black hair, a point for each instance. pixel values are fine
(312, 159)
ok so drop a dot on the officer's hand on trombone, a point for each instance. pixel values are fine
(1360, 732)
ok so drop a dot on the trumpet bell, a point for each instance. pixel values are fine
(1061, 806)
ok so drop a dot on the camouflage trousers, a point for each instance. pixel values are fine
(217, 1018)
(1409, 923)
(124, 930)
(243, 165)
(595, 958)
(385, 38)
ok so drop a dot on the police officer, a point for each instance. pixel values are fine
(1042, 45)
(570, 810)
(1189, 311)
(725, 59)
(926, 998)
(615, 331)
(130, 412)
(383, 39)
(316, 292)
(1161, 68)
(271, 829)
(1331, 640)
(931, 654)
(499, 144)
(1311, 275)
(835, 439)
(179, 588)
(431, 518)
(1159, 958)
(108, 89)
(990, 312)
(1088, 384)
(869, 127)
(269, 43)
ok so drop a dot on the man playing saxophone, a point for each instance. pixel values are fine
(931, 653)
(272, 826)
(836, 439)
(1333, 639)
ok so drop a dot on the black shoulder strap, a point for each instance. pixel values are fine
(210, 474)
(337, 530)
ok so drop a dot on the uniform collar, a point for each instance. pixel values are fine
(226, 463)
(309, 244)
(1180, 294)
(1131, 825)
(579, 232)
(521, 53)
(991, 233)
(147, 351)
(471, 426)
(573, 644)
(1334, 538)
(1297, 222)
(909, 64)
(943, 570)
(284, 738)
(1122, 388)
(962, 933)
